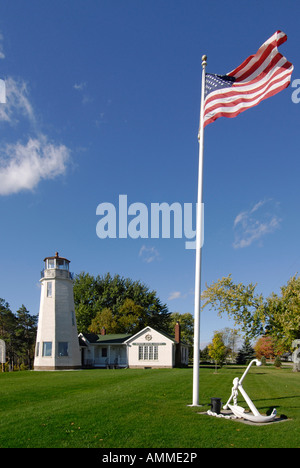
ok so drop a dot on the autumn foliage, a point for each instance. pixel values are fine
(265, 347)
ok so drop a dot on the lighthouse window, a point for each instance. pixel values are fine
(47, 348)
(62, 264)
(50, 263)
(62, 348)
(49, 289)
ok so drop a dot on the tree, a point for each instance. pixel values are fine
(129, 320)
(265, 347)
(103, 319)
(204, 354)
(85, 294)
(278, 315)
(19, 333)
(7, 329)
(277, 362)
(7, 319)
(25, 333)
(230, 338)
(186, 321)
(239, 301)
(246, 353)
(131, 316)
(186, 326)
(283, 314)
(93, 295)
(217, 349)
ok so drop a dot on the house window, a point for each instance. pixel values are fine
(104, 352)
(37, 349)
(73, 317)
(49, 289)
(148, 353)
(62, 348)
(47, 348)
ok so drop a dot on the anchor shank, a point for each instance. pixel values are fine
(248, 401)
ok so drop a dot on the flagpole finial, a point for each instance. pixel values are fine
(204, 60)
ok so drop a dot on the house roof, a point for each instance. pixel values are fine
(169, 337)
(120, 338)
(116, 338)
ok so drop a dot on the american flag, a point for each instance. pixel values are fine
(260, 76)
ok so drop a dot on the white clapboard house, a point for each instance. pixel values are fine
(147, 348)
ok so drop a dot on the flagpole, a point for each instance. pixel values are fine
(199, 228)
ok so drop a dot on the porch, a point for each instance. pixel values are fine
(108, 356)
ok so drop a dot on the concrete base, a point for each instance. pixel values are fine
(227, 414)
(54, 368)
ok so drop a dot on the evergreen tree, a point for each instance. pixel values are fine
(7, 330)
(246, 353)
(19, 333)
(25, 334)
(204, 354)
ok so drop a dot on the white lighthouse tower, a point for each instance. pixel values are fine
(57, 345)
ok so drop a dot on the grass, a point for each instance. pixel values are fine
(142, 408)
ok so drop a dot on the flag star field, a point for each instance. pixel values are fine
(215, 82)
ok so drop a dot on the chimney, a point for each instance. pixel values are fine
(103, 331)
(177, 332)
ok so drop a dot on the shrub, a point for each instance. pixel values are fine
(277, 362)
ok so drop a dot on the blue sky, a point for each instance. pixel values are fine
(103, 99)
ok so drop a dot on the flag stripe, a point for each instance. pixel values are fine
(259, 77)
(276, 40)
(227, 104)
(261, 66)
(242, 88)
(247, 92)
(241, 106)
(247, 102)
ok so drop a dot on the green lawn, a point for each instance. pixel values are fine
(142, 408)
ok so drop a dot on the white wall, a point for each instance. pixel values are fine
(165, 349)
(57, 322)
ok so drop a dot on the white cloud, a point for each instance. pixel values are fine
(174, 295)
(180, 295)
(251, 225)
(23, 166)
(148, 254)
(86, 98)
(17, 102)
(79, 86)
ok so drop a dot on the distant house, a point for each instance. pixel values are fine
(146, 348)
